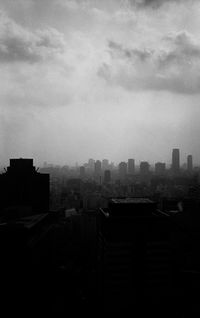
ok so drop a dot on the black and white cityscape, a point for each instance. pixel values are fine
(101, 238)
(100, 158)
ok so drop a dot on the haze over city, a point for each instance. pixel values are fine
(99, 79)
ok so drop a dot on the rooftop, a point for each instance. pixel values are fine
(131, 201)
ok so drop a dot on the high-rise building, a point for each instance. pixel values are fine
(91, 163)
(97, 167)
(82, 172)
(107, 176)
(160, 168)
(105, 164)
(175, 161)
(122, 170)
(144, 168)
(23, 189)
(136, 256)
(189, 163)
(131, 166)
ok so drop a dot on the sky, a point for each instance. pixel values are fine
(112, 79)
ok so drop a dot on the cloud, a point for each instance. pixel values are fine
(156, 3)
(117, 49)
(185, 49)
(172, 66)
(22, 45)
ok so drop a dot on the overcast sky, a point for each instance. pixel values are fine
(103, 79)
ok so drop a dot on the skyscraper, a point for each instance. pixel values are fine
(160, 168)
(175, 161)
(131, 166)
(144, 168)
(97, 171)
(189, 163)
(91, 163)
(82, 172)
(122, 170)
(105, 164)
(107, 176)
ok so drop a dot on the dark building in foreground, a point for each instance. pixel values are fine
(26, 246)
(137, 257)
(23, 190)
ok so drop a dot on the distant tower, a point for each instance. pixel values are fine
(122, 170)
(97, 171)
(105, 164)
(175, 161)
(189, 163)
(144, 168)
(91, 163)
(107, 176)
(82, 172)
(131, 166)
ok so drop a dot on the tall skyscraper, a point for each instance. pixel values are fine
(131, 166)
(91, 163)
(122, 170)
(175, 161)
(189, 163)
(97, 171)
(82, 172)
(107, 176)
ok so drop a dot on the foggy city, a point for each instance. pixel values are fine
(100, 157)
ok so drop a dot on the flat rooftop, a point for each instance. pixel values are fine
(131, 201)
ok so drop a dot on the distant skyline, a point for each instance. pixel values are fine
(183, 160)
(104, 79)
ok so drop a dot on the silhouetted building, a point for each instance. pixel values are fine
(107, 176)
(189, 163)
(23, 190)
(91, 163)
(131, 166)
(105, 164)
(135, 253)
(82, 172)
(144, 168)
(160, 168)
(175, 161)
(97, 171)
(122, 170)
(27, 257)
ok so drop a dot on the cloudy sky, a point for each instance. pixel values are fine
(110, 79)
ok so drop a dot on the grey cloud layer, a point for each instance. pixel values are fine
(20, 44)
(174, 69)
(157, 3)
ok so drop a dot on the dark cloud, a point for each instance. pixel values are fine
(20, 44)
(155, 3)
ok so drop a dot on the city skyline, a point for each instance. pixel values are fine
(102, 78)
(136, 163)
